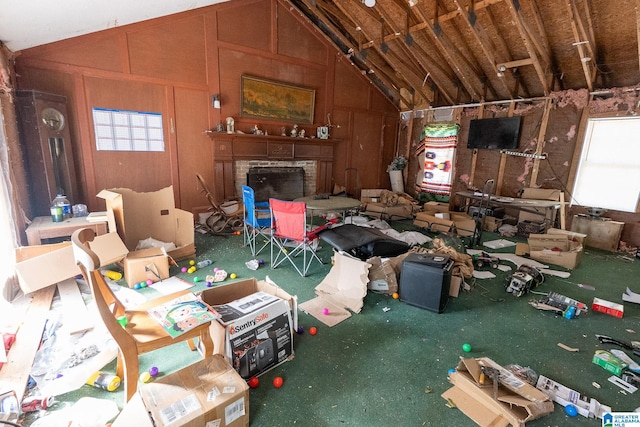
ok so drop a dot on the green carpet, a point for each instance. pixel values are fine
(389, 367)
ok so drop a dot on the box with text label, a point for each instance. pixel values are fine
(255, 331)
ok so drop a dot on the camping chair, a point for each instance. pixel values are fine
(219, 219)
(289, 235)
(142, 333)
(257, 221)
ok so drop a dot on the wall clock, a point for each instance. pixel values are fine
(53, 119)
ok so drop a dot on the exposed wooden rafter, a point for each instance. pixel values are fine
(583, 43)
(540, 64)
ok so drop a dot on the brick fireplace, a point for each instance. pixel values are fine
(235, 154)
(308, 185)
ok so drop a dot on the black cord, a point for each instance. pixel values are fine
(10, 423)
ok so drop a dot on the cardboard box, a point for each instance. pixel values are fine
(491, 224)
(138, 216)
(43, 265)
(517, 401)
(607, 307)
(539, 214)
(382, 211)
(208, 393)
(424, 219)
(558, 247)
(342, 290)
(609, 362)
(586, 406)
(256, 329)
(139, 266)
(384, 273)
(435, 207)
(464, 224)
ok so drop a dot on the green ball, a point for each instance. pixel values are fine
(196, 279)
(466, 347)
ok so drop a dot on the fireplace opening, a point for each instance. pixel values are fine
(285, 183)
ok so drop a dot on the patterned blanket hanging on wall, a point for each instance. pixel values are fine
(438, 146)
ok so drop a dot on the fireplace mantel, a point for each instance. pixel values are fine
(231, 147)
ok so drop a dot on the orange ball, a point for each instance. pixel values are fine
(395, 295)
(277, 382)
(313, 330)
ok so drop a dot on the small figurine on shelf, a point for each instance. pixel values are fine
(255, 130)
(294, 131)
(301, 133)
(283, 131)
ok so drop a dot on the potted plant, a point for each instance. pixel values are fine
(395, 169)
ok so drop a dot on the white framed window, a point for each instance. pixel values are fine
(608, 174)
(119, 130)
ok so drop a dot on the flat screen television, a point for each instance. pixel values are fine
(500, 133)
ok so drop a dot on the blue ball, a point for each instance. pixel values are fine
(136, 286)
(450, 371)
(571, 410)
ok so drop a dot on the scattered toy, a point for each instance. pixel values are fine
(300, 330)
(560, 304)
(325, 311)
(483, 258)
(145, 377)
(154, 371)
(233, 275)
(313, 330)
(254, 382)
(278, 382)
(571, 410)
(523, 280)
(466, 347)
(395, 295)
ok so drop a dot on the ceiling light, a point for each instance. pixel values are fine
(502, 68)
(369, 3)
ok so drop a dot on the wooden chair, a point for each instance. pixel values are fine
(142, 333)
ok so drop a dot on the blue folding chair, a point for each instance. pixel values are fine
(257, 221)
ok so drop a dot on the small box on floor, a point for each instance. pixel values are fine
(607, 307)
(209, 392)
(255, 331)
(525, 228)
(425, 281)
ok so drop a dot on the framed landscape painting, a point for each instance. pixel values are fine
(265, 99)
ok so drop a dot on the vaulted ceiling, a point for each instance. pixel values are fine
(419, 52)
(447, 52)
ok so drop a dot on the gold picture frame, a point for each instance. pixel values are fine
(266, 99)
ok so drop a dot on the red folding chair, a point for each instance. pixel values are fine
(289, 235)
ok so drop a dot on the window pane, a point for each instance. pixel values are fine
(609, 173)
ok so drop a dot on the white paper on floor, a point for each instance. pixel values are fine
(498, 244)
(479, 274)
(86, 412)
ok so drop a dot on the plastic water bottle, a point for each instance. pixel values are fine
(60, 205)
(204, 263)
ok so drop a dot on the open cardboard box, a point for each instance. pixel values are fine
(558, 247)
(342, 290)
(207, 393)
(269, 324)
(517, 401)
(138, 216)
(145, 264)
(43, 265)
(459, 222)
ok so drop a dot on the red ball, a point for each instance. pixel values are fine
(313, 330)
(277, 382)
(254, 382)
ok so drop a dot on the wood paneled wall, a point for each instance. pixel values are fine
(173, 65)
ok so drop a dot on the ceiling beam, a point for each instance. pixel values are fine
(445, 47)
(321, 15)
(514, 9)
(582, 43)
(488, 48)
(343, 8)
